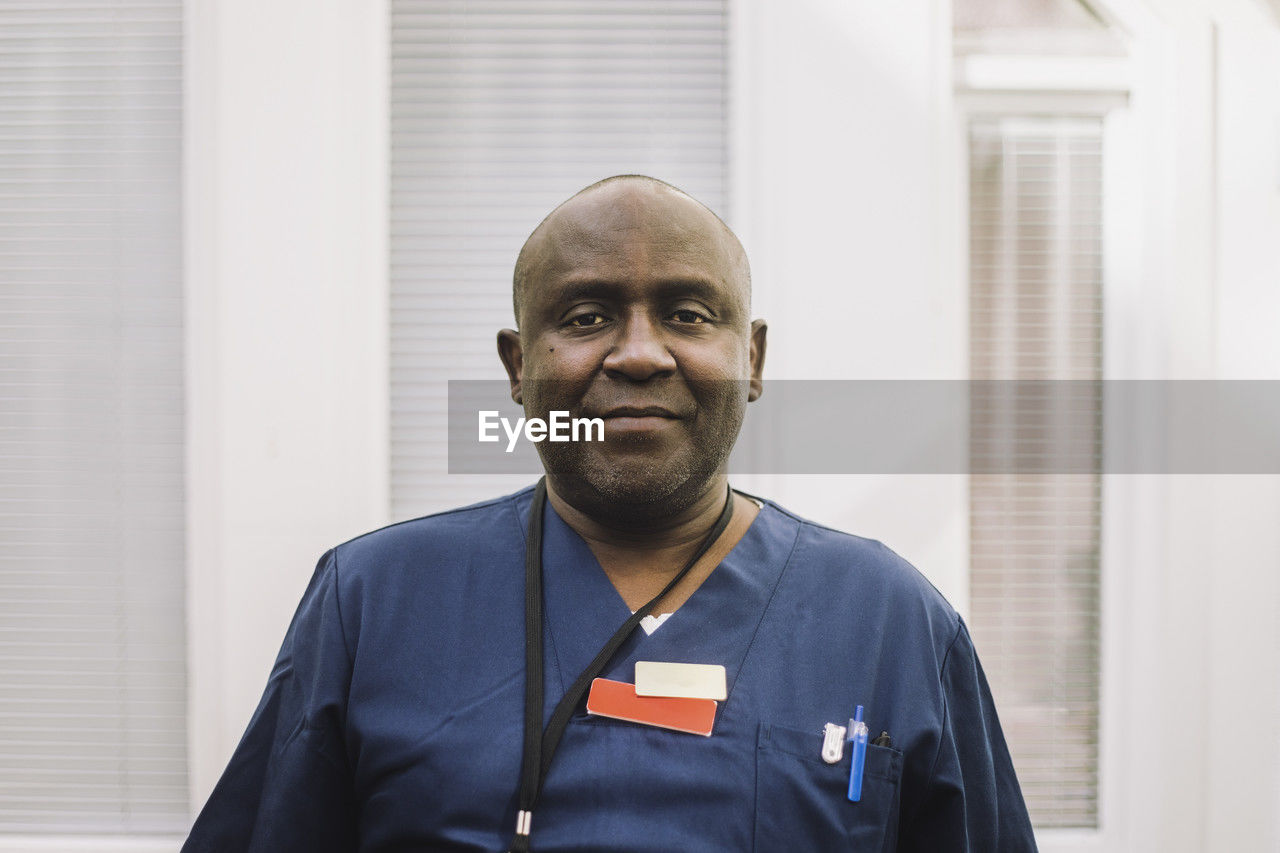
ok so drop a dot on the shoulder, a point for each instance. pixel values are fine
(448, 534)
(428, 574)
(845, 570)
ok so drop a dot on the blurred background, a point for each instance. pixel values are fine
(244, 245)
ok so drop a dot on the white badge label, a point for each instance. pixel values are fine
(685, 680)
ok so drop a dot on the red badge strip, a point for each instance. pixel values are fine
(618, 700)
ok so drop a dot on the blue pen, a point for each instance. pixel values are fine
(858, 737)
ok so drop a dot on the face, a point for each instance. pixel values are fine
(635, 310)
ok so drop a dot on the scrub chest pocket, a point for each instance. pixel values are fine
(802, 802)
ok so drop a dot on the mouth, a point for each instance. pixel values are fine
(639, 412)
(637, 419)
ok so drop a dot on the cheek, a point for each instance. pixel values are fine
(723, 363)
(721, 381)
(556, 377)
(552, 357)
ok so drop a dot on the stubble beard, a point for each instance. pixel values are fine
(617, 494)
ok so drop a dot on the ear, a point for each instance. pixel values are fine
(759, 330)
(512, 354)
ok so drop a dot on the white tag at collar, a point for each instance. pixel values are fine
(683, 680)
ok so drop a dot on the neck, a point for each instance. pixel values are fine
(643, 535)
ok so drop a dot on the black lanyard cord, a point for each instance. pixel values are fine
(533, 698)
(539, 746)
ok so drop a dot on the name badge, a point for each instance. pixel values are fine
(686, 680)
(618, 700)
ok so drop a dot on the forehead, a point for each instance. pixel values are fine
(632, 233)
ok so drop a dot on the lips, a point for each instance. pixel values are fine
(638, 412)
(641, 422)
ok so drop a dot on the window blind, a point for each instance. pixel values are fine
(500, 109)
(1035, 216)
(92, 683)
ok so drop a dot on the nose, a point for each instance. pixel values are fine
(639, 352)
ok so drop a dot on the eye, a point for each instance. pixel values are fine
(586, 319)
(686, 315)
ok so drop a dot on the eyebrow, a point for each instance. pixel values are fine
(698, 288)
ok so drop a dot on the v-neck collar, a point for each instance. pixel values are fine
(717, 623)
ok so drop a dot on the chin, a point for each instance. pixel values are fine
(633, 488)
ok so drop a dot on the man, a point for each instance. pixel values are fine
(395, 717)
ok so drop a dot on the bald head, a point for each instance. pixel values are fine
(627, 204)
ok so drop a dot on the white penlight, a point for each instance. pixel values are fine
(558, 427)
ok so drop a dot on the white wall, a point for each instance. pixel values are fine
(1193, 598)
(1243, 577)
(843, 189)
(286, 212)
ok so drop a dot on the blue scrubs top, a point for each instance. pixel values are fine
(393, 718)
